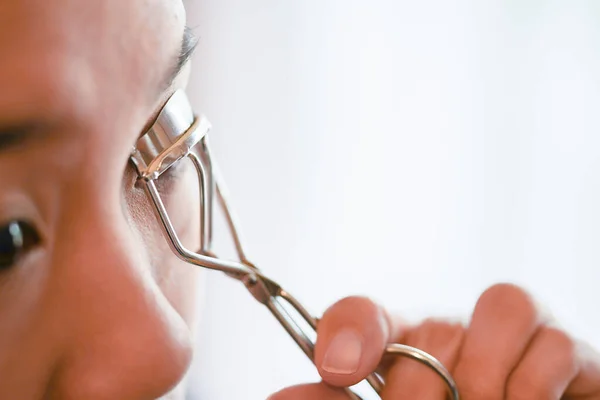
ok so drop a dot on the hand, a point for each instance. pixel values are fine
(510, 350)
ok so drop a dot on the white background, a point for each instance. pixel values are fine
(413, 151)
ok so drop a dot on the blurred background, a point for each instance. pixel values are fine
(412, 151)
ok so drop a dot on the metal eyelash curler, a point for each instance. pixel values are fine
(177, 134)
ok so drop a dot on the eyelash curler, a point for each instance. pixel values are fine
(178, 133)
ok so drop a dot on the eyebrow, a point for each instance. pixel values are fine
(189, 42)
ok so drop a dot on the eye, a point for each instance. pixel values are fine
(16, 239)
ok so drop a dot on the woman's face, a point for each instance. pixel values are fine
(93, 304)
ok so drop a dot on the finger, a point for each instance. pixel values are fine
(351, 339)
(502, 326)
(586, 384)
(315, 391)
(408, 379)
(547, 368)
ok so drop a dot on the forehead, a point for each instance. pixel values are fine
(76, 56)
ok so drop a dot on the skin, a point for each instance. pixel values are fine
(99, 307)
(509, 350)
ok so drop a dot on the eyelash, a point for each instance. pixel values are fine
(169, 178)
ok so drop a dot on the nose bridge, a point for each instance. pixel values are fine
(93, 240)
(126, 340)
(96, 249)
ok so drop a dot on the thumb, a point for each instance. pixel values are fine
(351, 339)
(315, 391)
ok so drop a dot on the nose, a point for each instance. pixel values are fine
(123, 339)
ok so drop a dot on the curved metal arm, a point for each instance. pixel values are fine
(232, 268)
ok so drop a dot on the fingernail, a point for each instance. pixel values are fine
(344, 353)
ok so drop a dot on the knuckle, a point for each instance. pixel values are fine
(561, 342)
(411, 389)
(559, 348)
(481, 389)
(508, 300)
(441, 339)
(529, 382)
(528, 386)
(477, 380)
